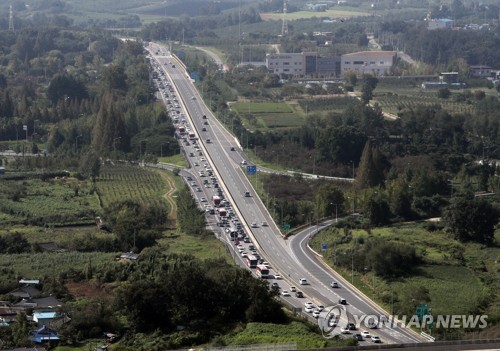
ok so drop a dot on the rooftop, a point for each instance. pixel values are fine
(373, 53)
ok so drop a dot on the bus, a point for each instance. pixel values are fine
(262, 271)
(216, 200)
(222, 212)
(182, 129)
(251, 261)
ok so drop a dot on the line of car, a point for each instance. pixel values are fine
(174, 108)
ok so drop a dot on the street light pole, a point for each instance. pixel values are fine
(76, 141)
(34, 126)
(336, 213)
(114, 143)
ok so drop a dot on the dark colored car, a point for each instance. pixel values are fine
(299, 294)
(358, 337)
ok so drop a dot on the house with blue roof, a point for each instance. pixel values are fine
(44, 334)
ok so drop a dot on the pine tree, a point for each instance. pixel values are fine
(371, 167)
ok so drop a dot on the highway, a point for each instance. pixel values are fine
(291, 258)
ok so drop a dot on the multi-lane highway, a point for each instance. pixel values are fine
(291, 258)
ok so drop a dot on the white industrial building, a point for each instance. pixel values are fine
(377, 63)
(286, 63)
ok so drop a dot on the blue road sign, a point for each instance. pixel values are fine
(251, 169)
(323, 247)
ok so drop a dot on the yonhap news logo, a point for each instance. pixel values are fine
(336, 320)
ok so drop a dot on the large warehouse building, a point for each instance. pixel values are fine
(307, 63)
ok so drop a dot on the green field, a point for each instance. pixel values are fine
(310, 14)
(294, 332)
(468, 270)
(268, 115)
(52, 202)
(128, 182)
(51, 264)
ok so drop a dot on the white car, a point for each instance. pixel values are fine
(309, 309)
(293, 289)
(277, 276)
(321, 308)
(203, 199)
(334, 285)
(253, 225)
(244, 254)
(365, 334)
(316, 313)
(285, 293)
(376, 339)
(303, 281)
(345, 330)
(265, 263)
(308, 304)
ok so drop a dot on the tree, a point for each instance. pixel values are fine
(65, 85)
(471, 220)
(371, 167)
(20, 330)
(90, 165)
(377, 210)
(443, 93)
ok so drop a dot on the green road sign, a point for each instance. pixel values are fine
(286, 226)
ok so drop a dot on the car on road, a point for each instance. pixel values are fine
(265, 263)
(203, 199)
(275, 286)
(244, 254)
(345, 330)
(193, 183)
(303, 281)
(277, 277)
(308, 304)
(351, 326)
(203, 129)
(293, 289)
(232, 148)
(246, 239)
(358, 337)
(243, 162)
(193, 97)
(334, 285)
(321, 307)
(285, 293)
(316, 313)
(299, 294)
(253, 225)
(264, 224)
(376, 339)
(309, 309)
(366, 334)
(342, 301)
(198, 190)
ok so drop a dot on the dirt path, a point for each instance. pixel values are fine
(168, 196)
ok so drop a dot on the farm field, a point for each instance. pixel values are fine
(50, 264)
(333, 14)
(51, 202)
(128, 182)
(394, 100)
(269, 115)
